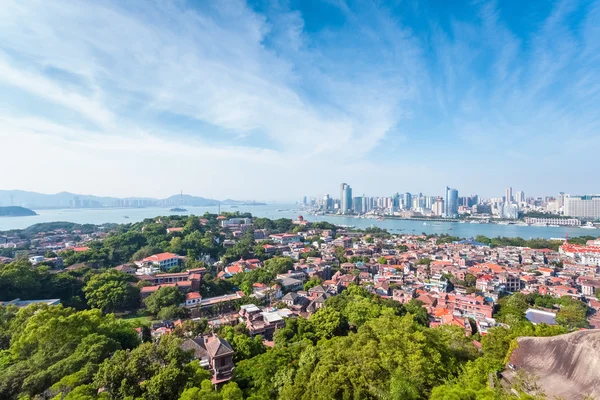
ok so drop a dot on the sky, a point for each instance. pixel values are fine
(274, 100)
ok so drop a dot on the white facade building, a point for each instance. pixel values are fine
(587, 207)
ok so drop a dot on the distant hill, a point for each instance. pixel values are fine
(14, 211)
(73, 200)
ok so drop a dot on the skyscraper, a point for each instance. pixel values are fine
(357, 204)
(437, 207)
(326, 202)
(451, 203)
(520, 196)
(407, 201)
(345, 198)
(509, 196)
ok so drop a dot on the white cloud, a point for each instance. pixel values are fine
(265, 105)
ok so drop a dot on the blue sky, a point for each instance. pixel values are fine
(273, 100)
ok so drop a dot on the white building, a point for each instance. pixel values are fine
(36, 259)
(587, 207)
(553, 221)
(162, 261)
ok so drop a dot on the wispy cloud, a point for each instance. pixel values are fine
(231, 96)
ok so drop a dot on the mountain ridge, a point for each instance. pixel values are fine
(73, 200)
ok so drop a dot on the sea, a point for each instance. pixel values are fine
(274, 211)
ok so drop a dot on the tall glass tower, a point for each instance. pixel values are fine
(451, 203)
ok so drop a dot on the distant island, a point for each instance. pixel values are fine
(73, 200)
(14, 211)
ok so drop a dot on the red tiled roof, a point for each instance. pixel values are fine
(192, 296)
(160, 257)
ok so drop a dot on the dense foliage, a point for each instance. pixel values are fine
(357, 346)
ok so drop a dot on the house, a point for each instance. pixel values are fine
(261, 322)
(192, 299)
(317, 302)
(589, 287)
(215, 354)
(126, 269)
(146, 291)
(290, 299)
(162, 261)
(285, 238)
(290, 284)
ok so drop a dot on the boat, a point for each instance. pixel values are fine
(177, 209)
(424, 223)
(126, 217)
(589, 225)
(449, 229)
(554, 226)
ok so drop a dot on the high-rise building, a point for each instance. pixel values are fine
(326, 203)
(509, 211)
(429, 202)
(396, 200)
(357, 204)
(520, 196)
(346, 199)
(437, 207)
(561, 199)
(304, 201)
(365, 204)
(407, 201)
(509, 196)
(451, 203)
(472, 200)
(587, 207)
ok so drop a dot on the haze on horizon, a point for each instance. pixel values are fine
(273, 100)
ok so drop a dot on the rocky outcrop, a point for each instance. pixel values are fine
(566, 366)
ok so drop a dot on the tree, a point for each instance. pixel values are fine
(470, 279)
(279, 265)
(164, 370)
(328, 322)
(382, 260)
(231, 391)
(514, 305)
(598, 294)
(58, 347)
(312, 282)
(173, 312)
(111, 291)
(572, 313)
(166, 296)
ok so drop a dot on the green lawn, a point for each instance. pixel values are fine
(137, 319)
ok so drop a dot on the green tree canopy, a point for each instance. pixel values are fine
(112, 291)
(165, 296)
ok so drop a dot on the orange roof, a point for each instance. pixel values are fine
(78, 249)
(192, 296)
(439, 311)
(160, 257)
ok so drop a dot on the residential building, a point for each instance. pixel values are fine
(587, 207)
(163, 261)
(214, 354)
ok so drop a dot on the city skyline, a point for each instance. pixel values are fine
(223, 98)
